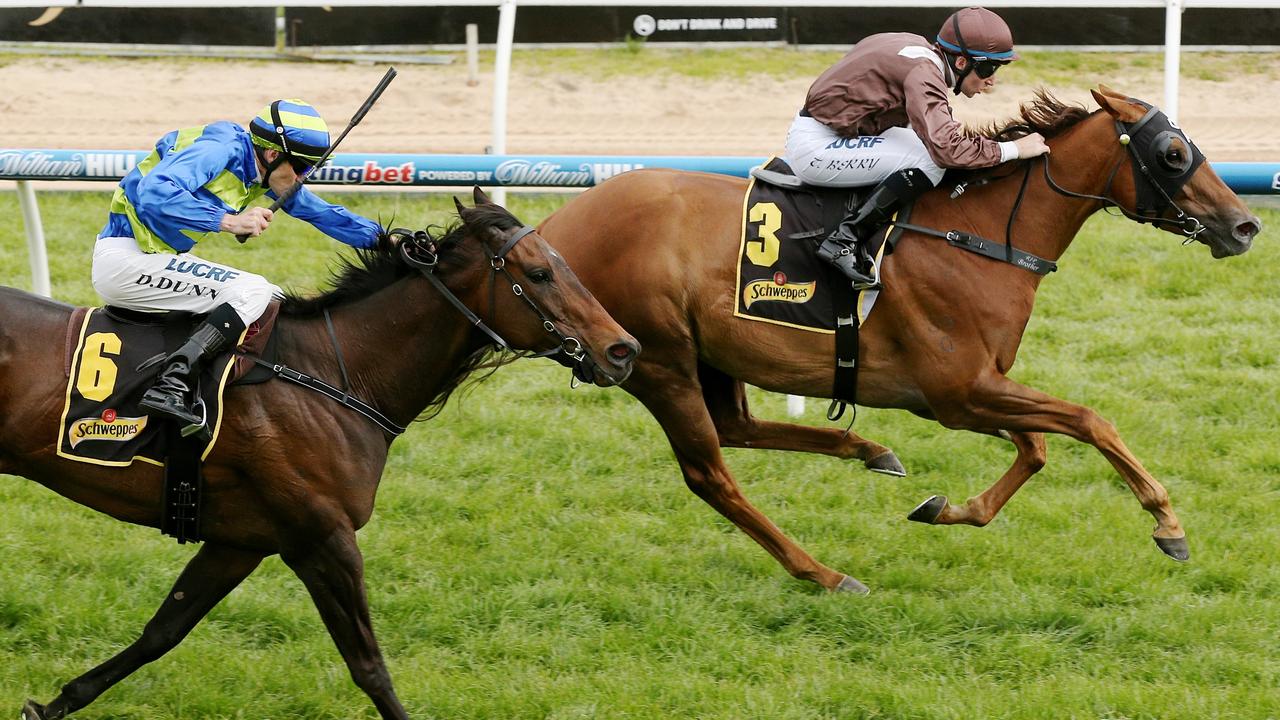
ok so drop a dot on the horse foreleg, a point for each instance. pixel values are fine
(212, 573)
(675, 402)
(726, 399)
(333, 572)
(981, 509)
(997, 401)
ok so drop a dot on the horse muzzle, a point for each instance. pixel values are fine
(1231, 236)
(620, 359)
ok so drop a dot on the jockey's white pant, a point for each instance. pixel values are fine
(127, 277)
(820, 156)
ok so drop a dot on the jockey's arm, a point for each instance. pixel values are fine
(335, 221)
(929, 111)
(167, 201)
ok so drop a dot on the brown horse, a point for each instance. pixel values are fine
(293, 472)
(659, 249)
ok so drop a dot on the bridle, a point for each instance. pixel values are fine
(1150, 136)
(1149, 139)
(418, 249)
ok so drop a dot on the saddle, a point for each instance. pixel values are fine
(780, 278)
(113, 356)
(831, 205)
(112, 359)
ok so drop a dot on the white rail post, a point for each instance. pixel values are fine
(1172, 56)
(35, 238)
(473, 54)
(501, 79)
(795, 405)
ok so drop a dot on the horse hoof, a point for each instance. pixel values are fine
(849, 585)
(1175, 548)
(887, 464)
(32, 711)
(929, 510)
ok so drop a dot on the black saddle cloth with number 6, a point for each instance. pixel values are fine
(101, 423)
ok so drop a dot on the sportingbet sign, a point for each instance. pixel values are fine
(530, 171)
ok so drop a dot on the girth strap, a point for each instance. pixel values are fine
(845, 300)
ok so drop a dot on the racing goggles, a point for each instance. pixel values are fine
(984, 68)
(301, 166)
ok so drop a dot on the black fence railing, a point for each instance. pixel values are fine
(443, 25)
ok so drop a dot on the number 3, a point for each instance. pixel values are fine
(765, 250)
(97, 378)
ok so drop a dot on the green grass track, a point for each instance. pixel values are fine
(534, 553)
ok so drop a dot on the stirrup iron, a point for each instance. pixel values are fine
(203, 425)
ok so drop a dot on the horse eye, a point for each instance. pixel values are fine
(540, 276)
(1174, 161)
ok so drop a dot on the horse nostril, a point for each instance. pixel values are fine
(1248, 229)
(621, 354)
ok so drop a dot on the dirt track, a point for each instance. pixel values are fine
(128, 103)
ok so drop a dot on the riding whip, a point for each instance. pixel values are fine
(355, 119)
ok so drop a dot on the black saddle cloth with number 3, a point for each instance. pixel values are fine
(780, 278)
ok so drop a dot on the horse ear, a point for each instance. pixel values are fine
(1102, 88)
(1120, 108)
(478, 195)
(458, 204)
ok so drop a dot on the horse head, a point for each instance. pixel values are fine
(526, 297)
(1173, 187)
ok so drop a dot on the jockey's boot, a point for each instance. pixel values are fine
(171, 397)
(846, 248)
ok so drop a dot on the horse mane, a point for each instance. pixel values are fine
(1044, 114)
(372, 269)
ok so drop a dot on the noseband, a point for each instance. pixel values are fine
(419, 251)
(1148, 141)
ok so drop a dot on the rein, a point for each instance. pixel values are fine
(419, 252)
(1189, 225)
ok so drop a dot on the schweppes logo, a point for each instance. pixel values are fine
(777, 290)
(107, 427)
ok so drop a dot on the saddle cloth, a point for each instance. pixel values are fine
(101, 423)
(781, 280)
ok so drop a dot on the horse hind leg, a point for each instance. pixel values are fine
(212, 573)
(726, 399)
(333, 572)
(675, 402)
(981, 509)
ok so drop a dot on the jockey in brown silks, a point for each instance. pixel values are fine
(882, 114)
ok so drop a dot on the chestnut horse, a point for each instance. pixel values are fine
(943, 333)
(294, 472)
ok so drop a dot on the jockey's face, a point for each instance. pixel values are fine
(283, 177)
(973, 83)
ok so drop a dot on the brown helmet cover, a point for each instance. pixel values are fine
(982, 34)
